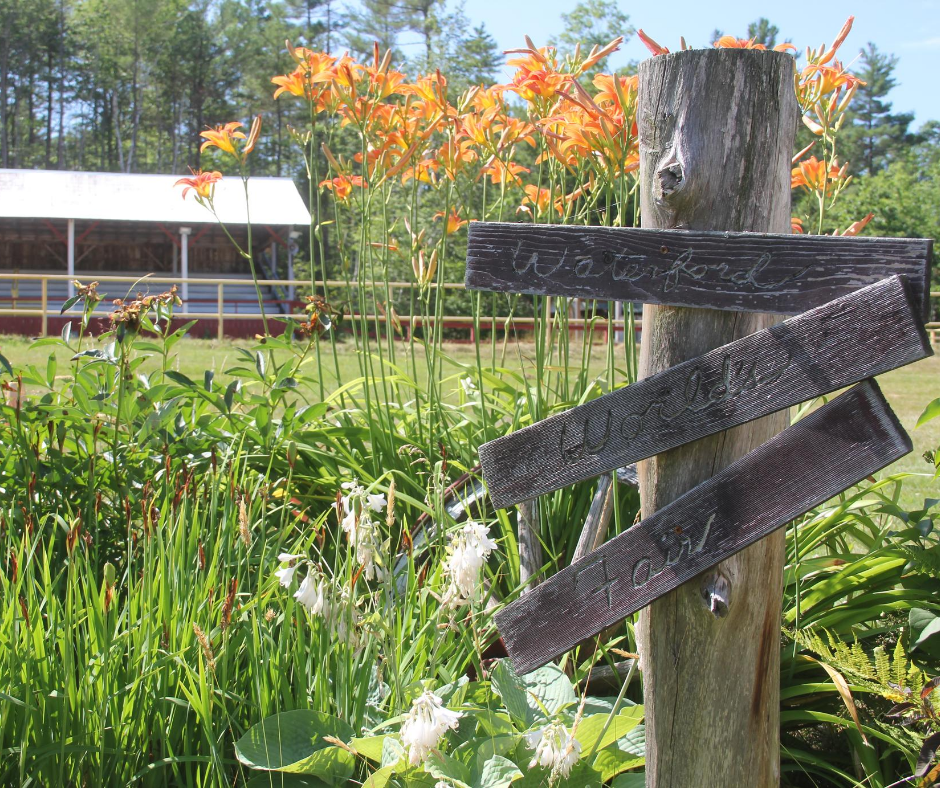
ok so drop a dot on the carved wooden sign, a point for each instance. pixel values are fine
(860, 335)
(748, 272)
(833, 448)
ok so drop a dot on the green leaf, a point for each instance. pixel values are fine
(498, 772)
(260, 364)
(930, 412)
(293, 741)
(632, 780)
(613, 761)
(444, 767)
(6, 365)
(526, 696)
(392, 752)
(592, 736)
(369, 746)
(511, 690)
(925, 626)
(380, 778)
(282, 780)
(179, 377)
(69, 303)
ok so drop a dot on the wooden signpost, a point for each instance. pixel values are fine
(747, 272)
(836, 446)
(716, 131)
(809, 355)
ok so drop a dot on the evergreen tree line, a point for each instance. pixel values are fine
(127, 85)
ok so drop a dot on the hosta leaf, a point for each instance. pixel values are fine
(369, 746)
(592, 735)
(294, 741)
(632, 780)
(498, 772)
(282, 780)
(532, 696)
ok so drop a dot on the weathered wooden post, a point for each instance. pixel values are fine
(716, 137)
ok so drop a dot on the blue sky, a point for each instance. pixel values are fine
(909, 29)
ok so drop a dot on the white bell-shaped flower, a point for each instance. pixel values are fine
(425, 726)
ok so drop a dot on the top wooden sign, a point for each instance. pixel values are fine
(749, 272)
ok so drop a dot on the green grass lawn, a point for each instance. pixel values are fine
(908, 389)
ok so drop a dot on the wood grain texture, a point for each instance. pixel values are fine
(716, 136)
(806, 356)
(747, 272)
(836, 446)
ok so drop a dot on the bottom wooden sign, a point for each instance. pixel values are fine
(818, 457)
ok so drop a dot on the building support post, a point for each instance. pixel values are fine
(70, 257)
(184, 265)
(716, 131)
(291, 290)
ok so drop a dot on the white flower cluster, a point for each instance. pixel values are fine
(361, 530)
(318, 595)
(425, 726)
(468, 386)
(555, 749)
(469, 549)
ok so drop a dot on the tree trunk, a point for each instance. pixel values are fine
(716, 134)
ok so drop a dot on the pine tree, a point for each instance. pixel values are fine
(874, 136)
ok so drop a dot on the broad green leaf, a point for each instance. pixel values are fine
(282, 780)
(293, 741)
(392, 752)
(369, 746)
(632, 780)
(925, 630)
(498, 772)
(445, 767)
(526, 696)
(612, 761)
(4, 364)
(930, 412)
(511, 690)
(379, 778)
(591, 734)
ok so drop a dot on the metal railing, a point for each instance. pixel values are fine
(220, 315)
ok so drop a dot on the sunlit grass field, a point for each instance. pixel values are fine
(908, 389)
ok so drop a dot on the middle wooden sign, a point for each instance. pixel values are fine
(871, 331)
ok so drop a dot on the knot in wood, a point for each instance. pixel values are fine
(716, 593)
(670, 178)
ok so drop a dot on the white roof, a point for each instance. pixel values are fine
(113, 196)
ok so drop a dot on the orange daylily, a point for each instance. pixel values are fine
(454, 222)
(499, 171)
(537, 197)
(813, 175)
(342, 185)
(856, 227)
(598, 53)
(796, 225)
(294, 83)
(843, 34)
(651, 45)
(223, 137)
(203, 183)
(730, 42)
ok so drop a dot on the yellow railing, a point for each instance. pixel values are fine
(220, 315)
